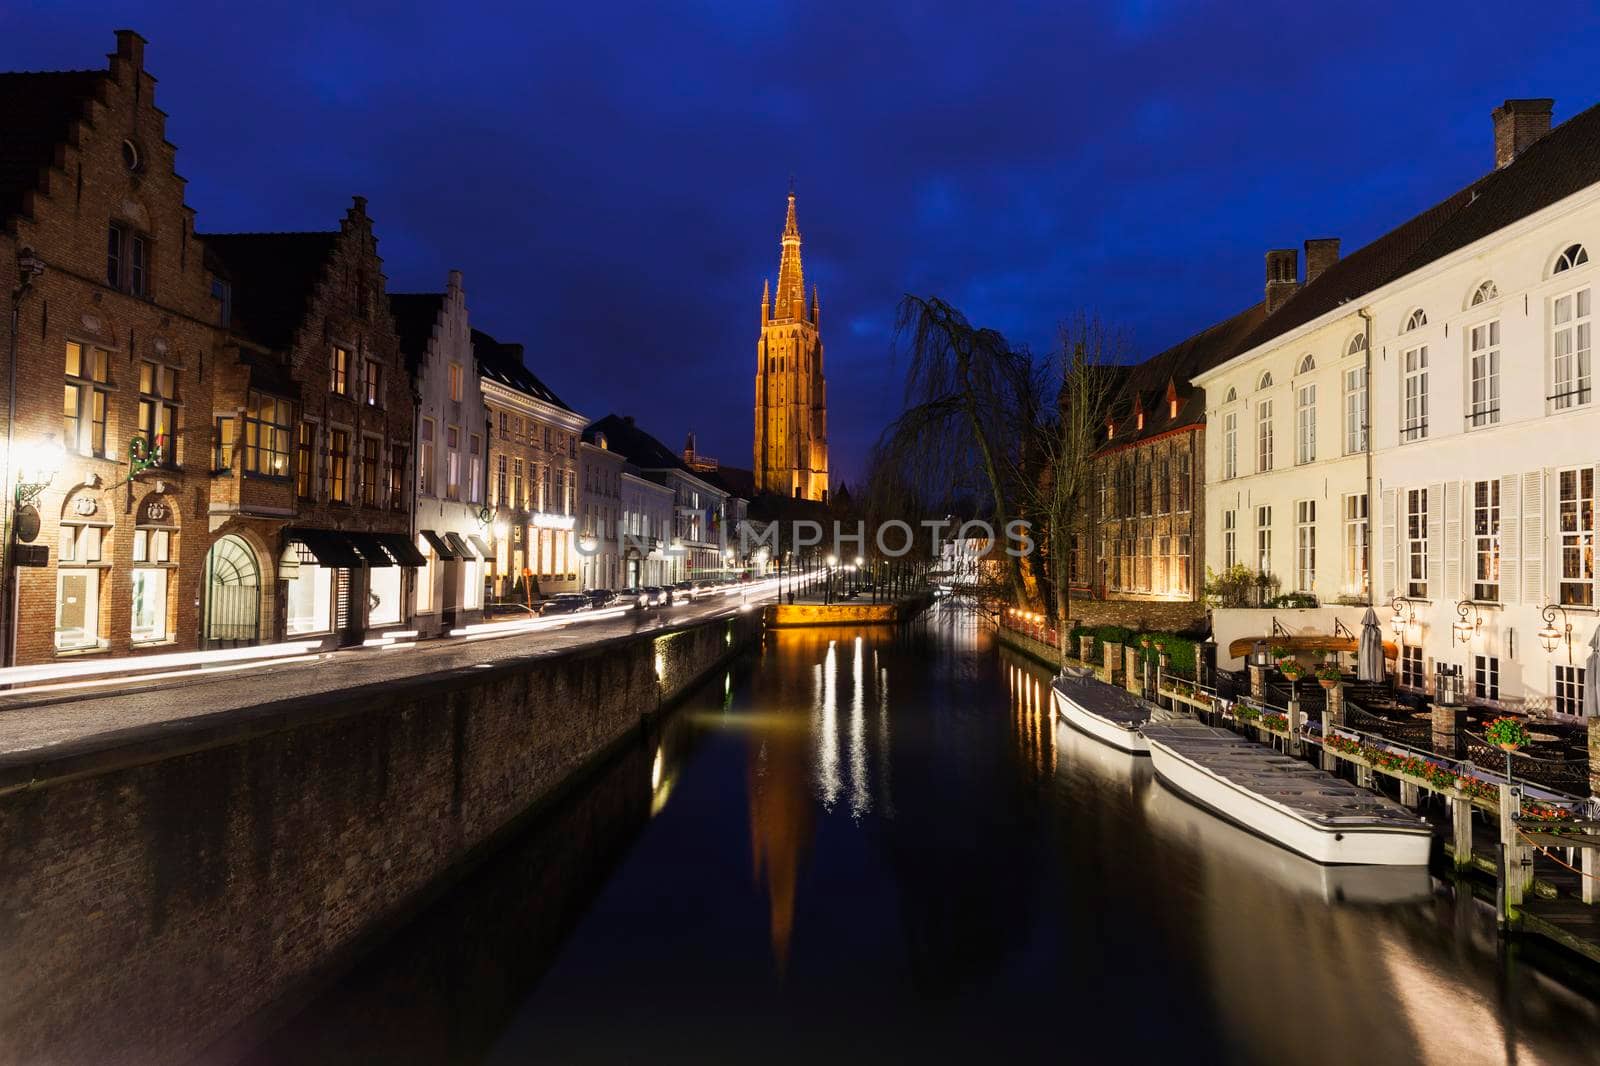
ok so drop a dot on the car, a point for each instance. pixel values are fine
(634, 597)
(656, 596)
(599, 598)
(704, 588)
(682, 592)
(565, 603)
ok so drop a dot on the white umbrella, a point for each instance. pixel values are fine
(1591, 678)
(1369, 653)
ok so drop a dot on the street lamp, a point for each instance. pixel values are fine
(37, 464)
(1549, 636)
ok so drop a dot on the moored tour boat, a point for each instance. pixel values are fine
(1108, 714)
(1286, 800)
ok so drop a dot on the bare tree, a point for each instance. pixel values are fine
(972, 405)
(1088, 366)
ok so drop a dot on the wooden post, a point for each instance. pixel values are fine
(1130, 669)
(1510, 805)
(1461, 827)
(1294, 718)
(1086, 647)
(1591, 870)
(1163, 660)
(1258, 683)
(1363, 775)
(1113, 661)
(1333, 712)
(1408, 794)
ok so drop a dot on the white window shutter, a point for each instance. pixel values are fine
(1510, 539)
(1388, 533)
(1452, 540)
(1533, 546)
(1435, 573)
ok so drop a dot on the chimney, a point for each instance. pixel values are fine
(1283, 272)
(1321, 253)
(1517, 124)
(130, 46)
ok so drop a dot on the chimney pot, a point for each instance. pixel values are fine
(1283, 273)
(1321, 253)
(1517, 124)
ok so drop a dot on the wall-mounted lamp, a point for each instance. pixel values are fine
(1549, 635)
(1468, 622)
(1404, 621)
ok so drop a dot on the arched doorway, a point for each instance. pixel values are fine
(233, 594)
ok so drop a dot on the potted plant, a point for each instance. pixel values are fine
(1329, 675)
(1507, 734)
(1290, 667)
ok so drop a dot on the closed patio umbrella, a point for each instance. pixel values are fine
(1369, 653)
(1591, 677)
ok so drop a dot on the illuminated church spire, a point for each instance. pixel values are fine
(791, 302)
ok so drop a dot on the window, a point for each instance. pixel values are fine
(452, 462)
(1264, 436)
(1411, 672)
(371, 452)
(1180, 565)
(226, 437)
(425, 459)
(505, 428)
(222, 292)
(1233, 394)
(1577, 536)
(1181, 484)
(1305, 416)
(1483, 374)
(1230, 540)
(1574, 256)
(1486, 541)
(1264, 539)
(1307, 364)
(1415, 364)
(127, 260)
(305, 461)
(339, 371)
(1484, 293)
(158, 411)
(1264, 381)
(1570, 349)
(397, 477)
(77, 608)
(1357, 345)
(152, 559)
(1486, 677)
(1417, 542)
(1355, 410)
(1305, 545)
(1416, 320)
(474, 474)
(1230, 445)
(518, 499)
(1356, 558)
(372, 379)
(500, 481)
(339, 465)
(266, 435)
(455, 382)
(1569, 690)
(83, 414)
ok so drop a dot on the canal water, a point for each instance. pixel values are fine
(878, 846)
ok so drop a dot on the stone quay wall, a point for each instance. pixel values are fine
(162, 887)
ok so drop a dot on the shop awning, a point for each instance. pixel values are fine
(488, 552)
(1311, 642)
(329, 547)
(401, 547)
(440, 546)
(370, 547)
(459, 546)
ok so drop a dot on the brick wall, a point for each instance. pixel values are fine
(1163, 616)
(175, 883)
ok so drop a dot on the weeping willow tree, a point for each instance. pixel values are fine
(972, 409)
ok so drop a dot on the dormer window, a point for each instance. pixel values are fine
(1575, 256)
(1172, 407)
(1417, 320)
(1138, 420)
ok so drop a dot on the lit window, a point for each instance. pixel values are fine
(1264, 539)
(267, 425)
(1417, 542)
(372, 379)
(1486, 540)
(87, 392)
(1355, 410)
(1577, 536)
(455, 382)
(1355, 545)
(339, 371)
(1415, 368)
(1305, 544)
(1483, 373)
(339, 465)
(158, 411)
(1571, 332)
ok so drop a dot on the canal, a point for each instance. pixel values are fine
(879, 846)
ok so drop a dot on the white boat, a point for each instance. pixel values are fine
(1108, 714)
(1285, 800)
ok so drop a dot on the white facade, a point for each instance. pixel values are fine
(599, 515)
(1485, 470)
(647, 519)
(452, 452)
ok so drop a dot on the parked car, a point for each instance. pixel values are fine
(599, 598)
(635, 597)
(565, 603)
(656, 596)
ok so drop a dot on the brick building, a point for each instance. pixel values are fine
(110, 355)
(533, 476)
(314, 418)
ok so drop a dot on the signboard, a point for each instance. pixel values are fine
(32, 554)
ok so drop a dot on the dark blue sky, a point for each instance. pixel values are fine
(611, 178)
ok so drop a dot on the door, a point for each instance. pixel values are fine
(233, 595)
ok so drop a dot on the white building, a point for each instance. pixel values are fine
(647, 520)
(600, 513)
(1463, 340)
(452, 435)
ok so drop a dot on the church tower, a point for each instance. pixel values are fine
(791, 442)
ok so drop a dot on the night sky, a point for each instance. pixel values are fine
(611, 178)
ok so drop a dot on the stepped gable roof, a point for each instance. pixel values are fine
(273, 276)
(505, 363)
(1562, 162)
(37, 110)
(415, 314)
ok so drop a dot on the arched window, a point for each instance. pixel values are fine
(233, 592)
(1575, 256)
(155, 556)
(1418, 319)
(82, 563)
(1307, 364)
(1233, 394)
(1265, 382)
(1357, 345)
(1484, 293)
